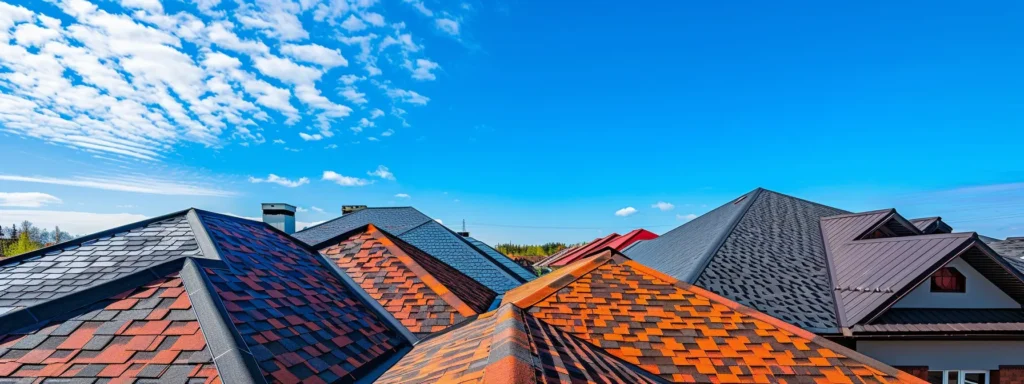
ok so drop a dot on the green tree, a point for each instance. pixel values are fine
(23, 245)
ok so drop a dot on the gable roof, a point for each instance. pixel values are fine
(684, 333)
(409, 224)
(929, 225)
(423, 293)
(510, 346)
(810, 264)
(227, 298)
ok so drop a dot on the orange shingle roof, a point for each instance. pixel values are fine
(684, 333)
(423, 293)
(510, 346)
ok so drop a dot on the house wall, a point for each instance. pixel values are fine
(981, 293)
(945, 354)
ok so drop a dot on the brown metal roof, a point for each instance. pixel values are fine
(868, 273)
(921, 320)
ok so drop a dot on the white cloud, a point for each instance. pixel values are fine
(27, 199)
(403, 196)
(375, 113)
(278, 141)
(375, 19)
(371, 138)
(388, 132)
(422, 69)
(316, 54)
(405, 96)
(300, 209)
(686, 217)
(317, 209)
(350, 79)
(353, 95)
(76, 223)
(439, 221)
(126, 184)
(353, 24)
(313, 137)
(286, 70)
(382, 172)
(346, 181)
(306, 224)
(665, 207)
(625, 212)
(448, 26)
(284, 182)
(418, 4)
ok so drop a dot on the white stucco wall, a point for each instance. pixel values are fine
(981, 293)
(945, 355)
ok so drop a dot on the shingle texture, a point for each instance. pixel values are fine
(424, 294)
(409, 224)
(148, 334)
(681, 252)
(299, 321)
(441, 243)
(73, 268)
(503, 259)
(684, 333)
(774, 260)
(1012, 247)
(508, 346)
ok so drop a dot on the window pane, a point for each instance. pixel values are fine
(935, 377)
(975, 378)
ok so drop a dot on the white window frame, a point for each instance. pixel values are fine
(961, 375)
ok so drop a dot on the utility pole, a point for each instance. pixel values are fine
(463, 225)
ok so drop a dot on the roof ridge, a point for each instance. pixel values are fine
(803, 200)
(855, 214)
(497, 263)
(554, 281)
(705, 259)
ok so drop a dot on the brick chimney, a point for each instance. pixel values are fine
(280, 215)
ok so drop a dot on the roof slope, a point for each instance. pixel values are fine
(684, 251)
(614, 241)
(774, 260)
(509, 346)
(503, 259)
(424, 294)
(1012, 247)
(149, 332)
(684, 333)
(193, 295)
(409, 224)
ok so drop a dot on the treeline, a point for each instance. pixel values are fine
(525, 250)
(15, 240)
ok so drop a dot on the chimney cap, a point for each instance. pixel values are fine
(278, 207)
(346, 209)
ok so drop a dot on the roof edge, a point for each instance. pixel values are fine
(565, 276)
(836, 302)
(231, 355)
(71, 301)
(497, 263)
(705, 259)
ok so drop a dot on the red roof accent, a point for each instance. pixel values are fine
(614, 240)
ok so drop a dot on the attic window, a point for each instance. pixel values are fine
(948, 279)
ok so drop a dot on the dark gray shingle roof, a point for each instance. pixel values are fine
(395, 220)
(1012, 247)
(501, 258)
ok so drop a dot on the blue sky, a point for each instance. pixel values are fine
(531, 121)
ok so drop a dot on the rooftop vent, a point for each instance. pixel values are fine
(280, 215)
(463, 234)
(347, 209)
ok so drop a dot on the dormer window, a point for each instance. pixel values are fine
(948, 279)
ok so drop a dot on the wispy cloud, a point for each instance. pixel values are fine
(27, 199)
(346, 181)
(134, 184)
(686, 217)
(284, 182)
(317, 209)
(403, 196)
(663, 206)
(628, 211)
(382, 172)
(313, 137)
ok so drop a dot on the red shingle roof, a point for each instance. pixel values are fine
(423, 293)
(614, 241)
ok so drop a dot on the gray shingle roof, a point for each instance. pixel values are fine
(411, 225)
(1012, 247)
(683, 252)
(27, 282)
(501, 258)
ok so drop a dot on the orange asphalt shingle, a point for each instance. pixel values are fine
(147, 333)
(684, 333)
(423, 293)
(510, 346)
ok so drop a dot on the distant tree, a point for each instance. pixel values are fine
(22, 245)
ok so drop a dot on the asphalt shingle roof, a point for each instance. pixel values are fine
(1012, 247)
(684, 333)
(423, 293)
(409, 224)
(519, 270)
(194, 296)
